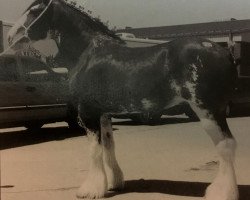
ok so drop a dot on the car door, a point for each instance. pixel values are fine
(12, 98)
(242, 96)
(47, 91)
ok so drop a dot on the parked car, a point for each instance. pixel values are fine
(239, 104)
(32, 94)
(154, 118)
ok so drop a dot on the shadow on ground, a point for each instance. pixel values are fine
(162, 121)
(178, 188)
(25, 137)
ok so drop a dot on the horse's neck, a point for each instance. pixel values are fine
(72, 46)
(75, 40)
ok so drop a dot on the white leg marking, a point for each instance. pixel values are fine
(213, 130)
(95, 185)
(224, 186)
(208, 123)
(114, 172)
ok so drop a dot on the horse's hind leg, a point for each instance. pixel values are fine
(95, 184)
(224, 187)
(114, 173)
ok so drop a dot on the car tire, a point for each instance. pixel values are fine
(229, 110)
(73, 121)
(190, 113)
(192, 116)
(33, 126)
(144, 118)
(74, 124)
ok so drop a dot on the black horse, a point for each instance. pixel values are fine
(108, 78)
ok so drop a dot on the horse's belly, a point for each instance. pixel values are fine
(118, 89)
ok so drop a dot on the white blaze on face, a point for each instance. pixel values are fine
(17, 31)
(19, 28)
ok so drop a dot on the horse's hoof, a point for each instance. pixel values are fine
(93, 189)
(116, 180)
(89, 193)
(116, 187)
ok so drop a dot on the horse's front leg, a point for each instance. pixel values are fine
(114, 173)
(95, 185)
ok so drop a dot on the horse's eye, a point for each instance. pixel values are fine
(35, 10)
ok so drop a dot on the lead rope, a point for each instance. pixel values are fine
(25, 35)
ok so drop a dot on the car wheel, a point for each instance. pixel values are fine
(73, 122)
(192, 116)
(145, 118)
(229, 110)
(190, 113)
(33, 126)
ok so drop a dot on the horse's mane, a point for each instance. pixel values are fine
(93, 22)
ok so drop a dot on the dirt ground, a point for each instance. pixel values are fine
(174, 160)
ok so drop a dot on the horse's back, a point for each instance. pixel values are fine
(118, 78)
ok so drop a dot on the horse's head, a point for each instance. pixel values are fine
(34, 24)
(75, 27)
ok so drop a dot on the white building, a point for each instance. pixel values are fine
(236, 32)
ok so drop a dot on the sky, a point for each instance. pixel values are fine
(147, 13)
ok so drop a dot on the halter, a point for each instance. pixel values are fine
(25, 35)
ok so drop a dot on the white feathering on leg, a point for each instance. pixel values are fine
(95, 185)
(224, 186)
(114, 172)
